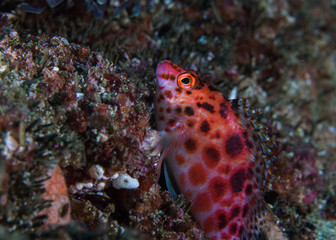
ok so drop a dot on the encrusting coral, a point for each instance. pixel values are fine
(81, 113)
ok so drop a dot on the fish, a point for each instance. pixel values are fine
(212, 156)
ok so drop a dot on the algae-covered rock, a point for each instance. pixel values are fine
(76, 97)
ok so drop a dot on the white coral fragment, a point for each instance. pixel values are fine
(11, 143)
(96, 172)
(125, 181)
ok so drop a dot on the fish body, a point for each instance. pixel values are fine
(211, 155)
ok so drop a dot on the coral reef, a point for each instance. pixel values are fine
(76, 99)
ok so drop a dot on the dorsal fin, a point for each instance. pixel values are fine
(259, 223)
(260, 133)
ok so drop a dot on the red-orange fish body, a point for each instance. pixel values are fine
(210, 154)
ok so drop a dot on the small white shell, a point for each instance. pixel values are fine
(96, 172)
(125, 181)
(10, 142)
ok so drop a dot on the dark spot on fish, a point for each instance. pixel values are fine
(197, 174)
(211, 156)
(179, 90)
(190, 145)
(178, 110)
(165, 76)
(235, 212)
(190, 123)
(217, 187)
(168, 110)
(248, 189)
(234, 146)
(188, 92)
(179, 159)
(168, 94)
(189, 111)
(245, 210)
(233, 228)
(206, 106)
(205, 127)
(172, 77)
(223, 110)
(171, 122)
(199, 86)
(160, 98)
(222, 221)
(238, 180)
(177, 68)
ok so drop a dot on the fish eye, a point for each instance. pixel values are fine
(186, 81)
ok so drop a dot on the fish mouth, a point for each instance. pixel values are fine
(161, 68)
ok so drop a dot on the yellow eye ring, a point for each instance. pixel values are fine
(186, 80)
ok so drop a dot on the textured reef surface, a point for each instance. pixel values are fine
(78, 141)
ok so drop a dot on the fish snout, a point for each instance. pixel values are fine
(166, 73)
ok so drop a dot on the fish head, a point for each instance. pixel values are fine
(181, 96)
(170, 76)
(173, 91)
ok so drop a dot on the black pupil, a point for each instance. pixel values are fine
(185, 80)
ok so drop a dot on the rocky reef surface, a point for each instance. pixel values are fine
(77, 136)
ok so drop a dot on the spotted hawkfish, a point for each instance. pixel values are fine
(212, 155)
